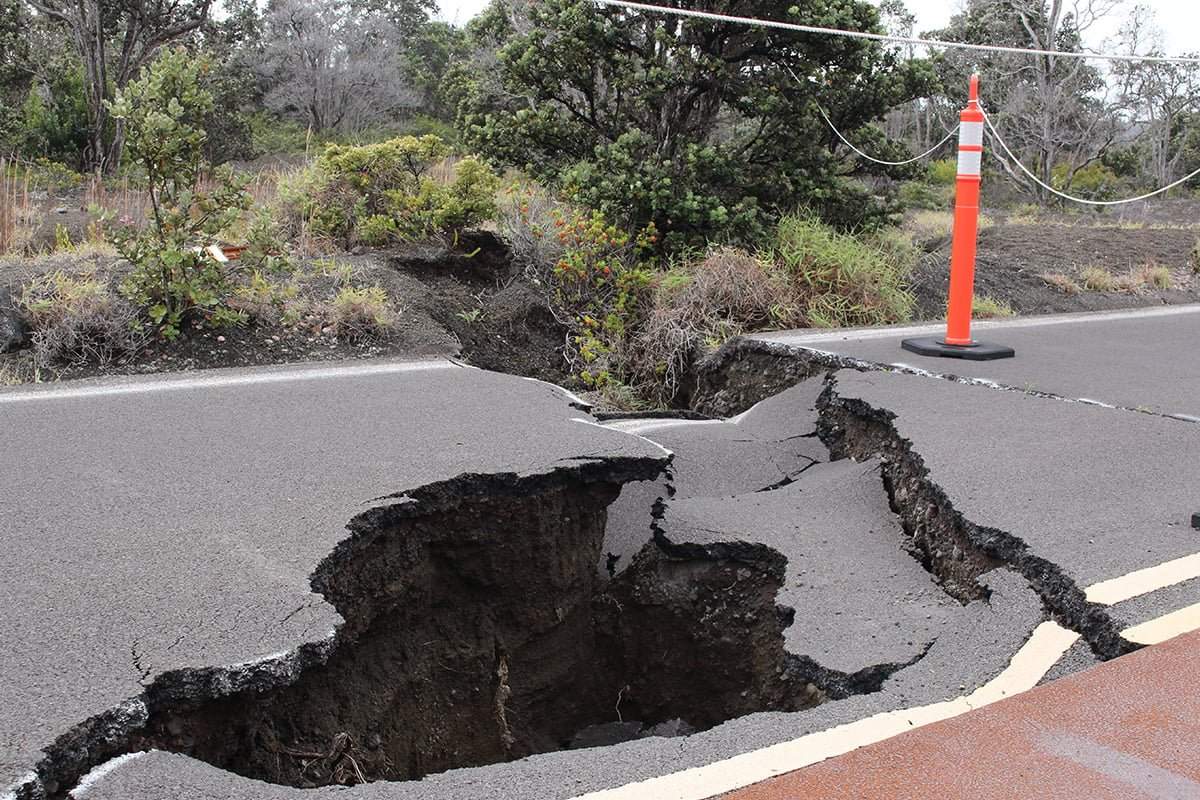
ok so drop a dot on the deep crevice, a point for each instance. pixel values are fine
(477, 630)
(952, 547)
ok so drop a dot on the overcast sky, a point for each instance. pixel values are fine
(1179, 19)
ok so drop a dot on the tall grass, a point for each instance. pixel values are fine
(16, 211)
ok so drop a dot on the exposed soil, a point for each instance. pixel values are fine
(1012, 259)
(465, 301)
(477, 630)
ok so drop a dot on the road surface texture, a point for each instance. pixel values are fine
(258, 585)
(1141, 359)
(1124, 731)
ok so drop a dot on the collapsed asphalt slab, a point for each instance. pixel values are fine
(1067, 493)
(861, 606)
(769, 445)
(259, 615)
(1140, 359)
(161, 534)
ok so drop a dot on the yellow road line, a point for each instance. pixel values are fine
(1168, 626)
(1043, 650)
(1049, 642)
(1144, 581)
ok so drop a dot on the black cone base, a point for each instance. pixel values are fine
(979, 351)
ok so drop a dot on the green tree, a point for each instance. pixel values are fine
(427, 60)
(14, 74)
(114, 39)
(163, 112)
(708, 130)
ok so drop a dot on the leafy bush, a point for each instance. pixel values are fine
(378, 230)
(349, 185)
(943, 172)
(77, 319)
(1095, 181)
(917, 194)
(362, 313)
(172, 277)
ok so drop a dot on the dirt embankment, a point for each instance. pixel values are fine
(1014, 258)
(468, 302)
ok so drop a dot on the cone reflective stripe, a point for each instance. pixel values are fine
(957, 342)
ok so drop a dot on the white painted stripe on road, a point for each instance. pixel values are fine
(803, 337)
(94, 777)
(223, 380)
(1144, 581)
(1043, 650)
(1168, 626)
(639, 426)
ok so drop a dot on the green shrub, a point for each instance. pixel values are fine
(943, 172)
(918, 194)
(172, 277)
(349, 185)
(277, 136)
(77, 319)
(843, 280)
(378, 230)
(1095, 181)
(362, 313)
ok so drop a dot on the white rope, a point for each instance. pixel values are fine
(1072, 198)
(850, 144)
(879, 37)
(847, 142)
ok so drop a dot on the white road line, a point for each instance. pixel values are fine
(858, 334)
(1043, 650)
(1144, 581)
(94, 777)
(223, 379)
(1168, 626)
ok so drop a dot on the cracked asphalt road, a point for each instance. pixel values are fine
(152, 526)
(1094, 492)
(1140, 359)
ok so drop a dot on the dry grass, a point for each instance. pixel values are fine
(1097, 279)
(17, 213)
(78, 319)
(1064, 283)
(363, 313)
(991, 308)
(1154, 276)
(928, 225)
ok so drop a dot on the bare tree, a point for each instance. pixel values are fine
(1160, 98)
(115, 39)
(335, 65)
(1054, 111)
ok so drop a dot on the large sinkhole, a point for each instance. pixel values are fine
(483, 632)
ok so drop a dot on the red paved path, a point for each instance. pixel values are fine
(1127, 729)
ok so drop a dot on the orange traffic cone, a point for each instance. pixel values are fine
(958, 342)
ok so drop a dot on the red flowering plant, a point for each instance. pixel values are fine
(595, 272)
